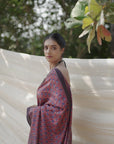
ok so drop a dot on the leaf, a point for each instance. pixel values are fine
(101, 20)
(84, 32)
(90, 38)
(72, 22)
(86, 22)
(103, 33)
(78, 10)
(94, 9)
(86, 10)
(99, 36)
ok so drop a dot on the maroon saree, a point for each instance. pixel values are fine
(50, 121)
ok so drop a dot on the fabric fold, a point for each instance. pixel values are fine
(51, 118)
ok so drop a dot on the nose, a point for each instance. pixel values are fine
(48, 50)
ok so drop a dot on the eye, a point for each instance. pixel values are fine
(54, 48)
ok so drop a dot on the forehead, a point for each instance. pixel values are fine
(50, 42)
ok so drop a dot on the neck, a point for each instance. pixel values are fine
(52, 65)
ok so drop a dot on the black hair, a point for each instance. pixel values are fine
(58, 38)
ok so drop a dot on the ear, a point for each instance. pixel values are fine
(63, 50)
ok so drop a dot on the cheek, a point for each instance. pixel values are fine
(44, 52)
(58, 54)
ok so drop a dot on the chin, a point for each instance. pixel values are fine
(49, 60)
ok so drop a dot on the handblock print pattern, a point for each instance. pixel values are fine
(52, 117)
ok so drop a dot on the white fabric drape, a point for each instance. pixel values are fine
(92, 84)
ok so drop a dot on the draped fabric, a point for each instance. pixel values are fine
(51, 118)
(92, 86)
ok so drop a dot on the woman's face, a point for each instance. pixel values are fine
(52, 51)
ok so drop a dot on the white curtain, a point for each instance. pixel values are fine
(92, 84)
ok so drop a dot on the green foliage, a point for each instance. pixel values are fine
(94, 9)
(79, 9)
(93, 14)
(15, 20)
(22, 29)
(90, 37)
(109, 15)
(72, 22)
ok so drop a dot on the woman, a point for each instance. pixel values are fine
(50, 121)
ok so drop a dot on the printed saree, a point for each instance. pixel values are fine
(50, 121)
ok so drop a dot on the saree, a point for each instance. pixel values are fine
(50, 121)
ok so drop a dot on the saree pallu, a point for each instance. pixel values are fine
(50, 121)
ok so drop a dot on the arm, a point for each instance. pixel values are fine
(28, 115)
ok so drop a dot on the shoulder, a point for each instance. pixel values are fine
(64, 71)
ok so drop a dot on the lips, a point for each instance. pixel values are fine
(49, 56)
